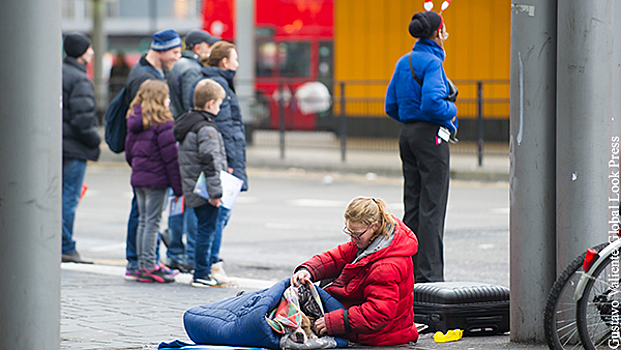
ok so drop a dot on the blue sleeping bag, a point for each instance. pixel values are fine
(240, 321)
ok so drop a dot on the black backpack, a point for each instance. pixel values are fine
(115, 123)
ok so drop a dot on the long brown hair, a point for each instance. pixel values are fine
(151, 97)
(367, 210)
(220, 50)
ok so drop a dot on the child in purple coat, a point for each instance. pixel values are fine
(151, 151)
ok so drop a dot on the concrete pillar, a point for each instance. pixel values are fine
(532, 173)
(588, 98)
(100, 45)
(30, 174)
(244, 41)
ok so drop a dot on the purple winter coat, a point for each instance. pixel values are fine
(152, 154)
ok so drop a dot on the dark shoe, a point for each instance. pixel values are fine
(176, 265)
(165, 236)
(187, 267)
(169, 271)
(75, 258)
(206, 282)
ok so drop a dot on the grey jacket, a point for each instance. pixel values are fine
(201, 149)
(181, 80)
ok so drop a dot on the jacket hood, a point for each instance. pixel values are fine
(400, 242)
(431, 47)
(134, 122)
(186, 121)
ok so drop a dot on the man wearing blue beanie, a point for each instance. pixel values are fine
(164, 52)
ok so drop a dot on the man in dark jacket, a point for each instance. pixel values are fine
(164, 52)
(181, 81)
(187, 71)
(80, 137)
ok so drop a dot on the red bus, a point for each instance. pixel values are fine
(294, 43)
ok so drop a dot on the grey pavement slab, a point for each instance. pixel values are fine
(103, 311)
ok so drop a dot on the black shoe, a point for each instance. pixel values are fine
(75, 258)
(165, 236)
(187, 267)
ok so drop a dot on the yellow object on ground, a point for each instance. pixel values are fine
(451, 335)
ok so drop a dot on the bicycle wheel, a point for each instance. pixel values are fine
(560, 325)
(599, 308)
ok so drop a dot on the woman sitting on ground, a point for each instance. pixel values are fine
(373, 277)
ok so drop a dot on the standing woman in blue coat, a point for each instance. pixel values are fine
(221, 67)
(419, 96)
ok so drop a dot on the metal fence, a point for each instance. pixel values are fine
(355, 118)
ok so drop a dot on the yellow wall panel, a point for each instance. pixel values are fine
(371, 35)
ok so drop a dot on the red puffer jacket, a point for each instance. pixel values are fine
(377, 290)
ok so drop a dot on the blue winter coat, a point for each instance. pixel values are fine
(152, 154)
(240, 321)
(406, 100)
(229, 122)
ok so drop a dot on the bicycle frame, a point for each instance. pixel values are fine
(602, 257)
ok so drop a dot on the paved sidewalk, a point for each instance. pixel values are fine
(100, 310)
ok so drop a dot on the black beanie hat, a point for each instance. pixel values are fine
(76, 44)
(423, 24)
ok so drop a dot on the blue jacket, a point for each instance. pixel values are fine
(407, 100)
(229, 122)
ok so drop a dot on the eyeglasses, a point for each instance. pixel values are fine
(444, 34)
(356, 236)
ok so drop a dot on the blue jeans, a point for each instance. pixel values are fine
(73, 177)
(207, 216)
(179, 225)
(223, 219)
(131, 253)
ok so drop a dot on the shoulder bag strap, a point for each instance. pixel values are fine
(420, 82)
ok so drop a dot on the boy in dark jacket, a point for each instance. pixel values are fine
(201, 149)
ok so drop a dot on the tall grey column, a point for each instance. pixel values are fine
(532, 171)
(100, 44)
(244, 40)
(30, 174)
(587, 102)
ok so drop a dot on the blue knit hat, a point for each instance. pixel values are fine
(165, 40)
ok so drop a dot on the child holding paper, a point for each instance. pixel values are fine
(151, 151)
(201, 150)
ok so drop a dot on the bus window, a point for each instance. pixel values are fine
(294, 59)
(266, 59)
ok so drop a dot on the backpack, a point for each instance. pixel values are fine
(115, 123)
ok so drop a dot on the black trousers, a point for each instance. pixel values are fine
(426, 175)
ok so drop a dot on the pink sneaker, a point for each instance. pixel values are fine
(156, 275)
